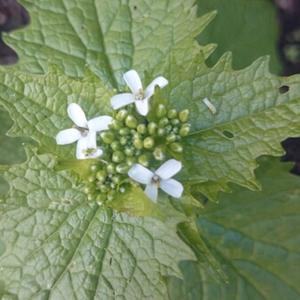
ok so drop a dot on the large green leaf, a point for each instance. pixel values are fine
(59, 246)
(256, 238)
(249, 29)
(109, 37)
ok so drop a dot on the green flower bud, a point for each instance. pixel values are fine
(171, 138)
(175, 130)
(129, 151)
(88, 190)
(152, 128)
(103, 188)
(91, 179)
(163, 122)
(101, 175)
(107, 137)
(142, 129)
(124, 131)
(148, 142)
(110, 195)
(176, 147)
(184, 115)
(112, 185)
(100, 198)
(130, 161)
(161, 111)
(115, 145)
(122, 168)
(90, 197)
(121, 115)
(115, 124)
(118, 156)
(116, 179)
(158, 153)
(131, 121)
(161, 132)
(123, 140)
(138, 152)
(175, 122)
(136, 135)
(138, 144)
(172, 114)
(94, 168)
(122, 189)
(110, 168)
(168, 128)
(184, 130)
(144, 160)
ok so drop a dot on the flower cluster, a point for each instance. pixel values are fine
(138, 135)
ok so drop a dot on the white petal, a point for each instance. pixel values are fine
(142, 106)
(99, 123)
(121, 100)
(140, 174)
(68, 136)
(77, 115)
(151, 191)
(86, 143)
(133, 81)
(172, 187)
(160, 81)
(81, 148)
(169, 169)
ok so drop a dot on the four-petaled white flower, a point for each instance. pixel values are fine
(84, 132)
(139, 96)
(159, 178)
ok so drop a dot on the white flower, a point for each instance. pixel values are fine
(160, 178)
(84, 132)
(139, 96)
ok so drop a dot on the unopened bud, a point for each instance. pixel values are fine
(110, 168)
(130, 161)
(129, 151)
(118, 156)
(121, 115)
(123, 140)
(142, 129)
(171, 138)
(176, 147)
(124, 131)
(107, 137)
(161, 132)
(161, 111)
(103, 188)
(152, 128)
(115, 145)
(163, 122)
(172, 114)
(90, 197)
(122, 168)
(138, 144)
(94, 168)
(116, 179)
(175, 122)
(144, 160)
(184, 130)
(184, 115)
(91, 179)
(115, 124)
(158, 154)
(148, 143)
(101, 175)
(131, 121)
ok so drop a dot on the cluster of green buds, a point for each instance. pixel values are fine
(131, 139)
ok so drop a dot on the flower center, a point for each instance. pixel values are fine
(155, 180)
(83, 131)
(89, 151)
(139, 95)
